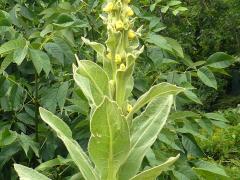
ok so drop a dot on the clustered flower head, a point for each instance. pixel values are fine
(122, 43)
(119, 13)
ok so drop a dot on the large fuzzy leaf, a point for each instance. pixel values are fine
(26, 173)
(161, 89)
(55, 122)
(144, 131)
(93, 81)
(110, 141)
(153, 173)
(75, 151)
(99, 48)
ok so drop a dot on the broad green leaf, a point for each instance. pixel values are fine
(27, 142)
(164, 9)
(93, 81)
(170, 138)
(6, 62)
(52, 163)
(7, 137)
(110, 142)
(220, 60)
(40, 61)
(64, 20)
(192, 96)
(159, 41)
(207, 77)
(55, 51)
(162, 89)
(216, 116)
(145, 130)
(75, 151)
(48, 29)
(20, 54)
(191, 146)
(175, 46)
(210, 171)
(12, 45)
(62, 95)
(174, 3)
(153, 173)
(55, 123)
(26, 173)
(99, 48)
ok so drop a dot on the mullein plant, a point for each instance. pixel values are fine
(121, 132)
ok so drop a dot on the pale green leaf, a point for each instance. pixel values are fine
(145, 130)
(75, 151)
(162, 89)
(80, 158)
(174, 3)
(55, 122)
(26, 173)
(110, 142)
(52, 163)
(207, 77)
(93, 81)
(153, 173)
(99, 48)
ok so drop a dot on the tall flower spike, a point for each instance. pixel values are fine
(124, 51)
(108, 8)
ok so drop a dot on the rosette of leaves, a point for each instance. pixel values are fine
(121, 134)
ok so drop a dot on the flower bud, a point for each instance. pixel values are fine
(118, 58)
(119, 25)
(129, 108)
(122, 67)
(130, 11)
(108, 8)
(131, 34)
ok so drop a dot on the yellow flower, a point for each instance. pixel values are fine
(129, 108)
(119, 25)
(130, 11)
(118, 58)
(131, 34)
(122, 67)
(108, 7)
(109, 55)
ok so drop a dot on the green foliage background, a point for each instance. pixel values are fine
(38, 43)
